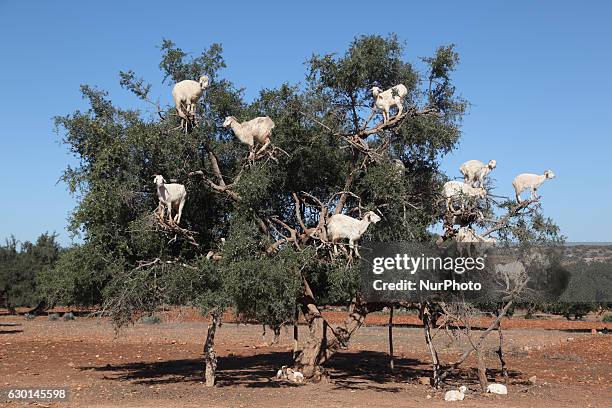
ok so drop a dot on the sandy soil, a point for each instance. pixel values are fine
(161, 366)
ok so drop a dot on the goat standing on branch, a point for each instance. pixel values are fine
(526, 181)
(391, 97)
(342, 226)
(257, 130)
(186, 94)
(475, 171)
(170, 195)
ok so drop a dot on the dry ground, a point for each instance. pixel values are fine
(160, 366)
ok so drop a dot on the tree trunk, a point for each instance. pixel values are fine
(210, 357)
(319, 348)
(435, 361)
(9, 307)
(482, 370)
(391, 359)
(295, 332)
(308, 360)
(480, 341)
(500, 353)
(277, 332)
(39, 308)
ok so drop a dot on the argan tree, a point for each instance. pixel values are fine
(253, 236)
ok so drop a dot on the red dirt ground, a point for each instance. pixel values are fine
(161, 366)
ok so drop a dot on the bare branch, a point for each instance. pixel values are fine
(172, 228)
(503, 222)
(221, 189)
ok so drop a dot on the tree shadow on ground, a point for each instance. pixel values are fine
(358, 370)
(589, 330)
(10, 331)
(348, 370)
(371, 370)
(253, 371)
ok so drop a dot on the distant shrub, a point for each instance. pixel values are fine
(150, 319)
(607, 318)
(54, 316)
(571, 309)
(68, 316)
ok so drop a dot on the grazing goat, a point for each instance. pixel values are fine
(530, 181)
(391, 97)
(170, 196)
(475, 171)
(342, 226)
(453, 189)
(257, 130)
(186, 94)
(456, 395)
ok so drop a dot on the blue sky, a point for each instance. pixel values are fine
(537, 75)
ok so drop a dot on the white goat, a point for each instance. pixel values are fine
(391, 97)
(466, 236)
(186, 94)
(475, 171)
(295, 376)
(170, 196)
(342, 226)
(497, 389)
(257, 130)
(454, 189)
(456, 395)
(530, 181)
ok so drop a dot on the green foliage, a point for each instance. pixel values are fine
(131, 266)
(265, 288)
(79, 276)
(577, 310)
(22, 265)
(607, 318)
(590, 283)
(530, 227)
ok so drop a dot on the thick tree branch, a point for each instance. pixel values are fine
(218, 188)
